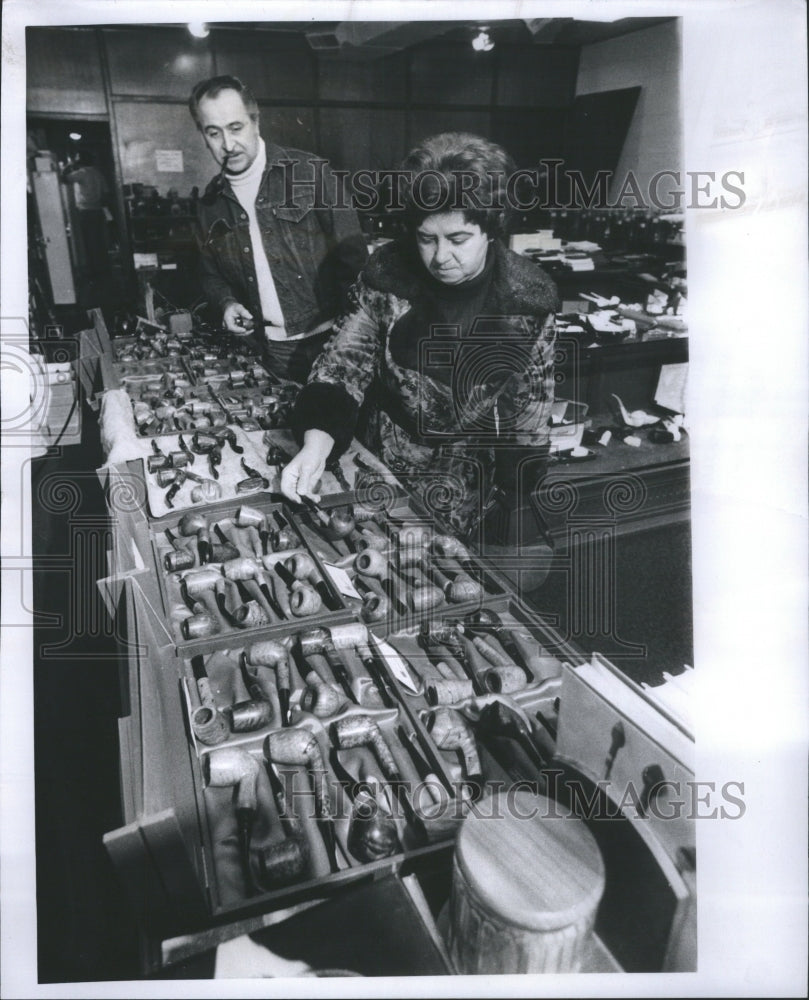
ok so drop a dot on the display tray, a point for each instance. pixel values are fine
(395, 567)
(236, 568)
(482, 693)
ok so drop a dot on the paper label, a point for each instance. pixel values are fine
(169, 161)
(342, 581)
(395, 664)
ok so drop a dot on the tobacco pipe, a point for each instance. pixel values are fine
(235, 766)
(424, 595)
(460, 646)
(184, 447)
(484, 621)
(157, 460)
(214, 460)
(319, 697)
(250, 517)
(375, 607)
(499, 719)
(206, 492)
(448, 691)
(256, 711)
(372, 834)
(285, 862)
(270, 653)
(194, 523)
(361, 730)
(198, 586)
(448, 546)
(355, 636)
(300, 747)
(449, 731)
(208, 723)
(336, 470)
(317, 647)
(203, 443)
(178, 459)
(254, 474)
(372, 563)
(284, 537)
(302, 568)
(181, 558)
(228, 435)
(249, 574)
(504, 676)
(460, 589)
(304, 600)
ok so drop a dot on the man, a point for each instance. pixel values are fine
(276, 258)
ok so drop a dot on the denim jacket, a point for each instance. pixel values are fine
(314, 251)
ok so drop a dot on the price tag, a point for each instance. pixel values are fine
(396, 664)
(342, 581)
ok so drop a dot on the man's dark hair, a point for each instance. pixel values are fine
(214, 87)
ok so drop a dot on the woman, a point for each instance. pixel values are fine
(450, 334)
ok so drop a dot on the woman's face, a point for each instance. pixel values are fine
(452, 249)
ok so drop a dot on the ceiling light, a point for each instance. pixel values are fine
(75, 136)
(482, 42)
(199, 29)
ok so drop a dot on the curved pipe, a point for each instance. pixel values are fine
(275, 655)
(361, 730)
(449, 731)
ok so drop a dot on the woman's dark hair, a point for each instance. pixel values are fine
(458, 171)
(214, 87)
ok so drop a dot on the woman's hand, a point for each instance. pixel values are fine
(303, 473)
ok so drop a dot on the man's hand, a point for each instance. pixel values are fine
(237, 319)
(303, 473)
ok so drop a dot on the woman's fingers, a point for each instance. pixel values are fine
(301, 476)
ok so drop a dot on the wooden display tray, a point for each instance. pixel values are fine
(333, 610)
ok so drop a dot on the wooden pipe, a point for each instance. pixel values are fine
(355, 636)
(181, 558)
(300, 747)
(198, 590)
(451, 547)
(256, 711)
(195, 523)
(460, 589)
(304, 600)
(449, 731)
(448, 691)
(302, 567)
(373, 564)
(504, 676)
(275, 655)
(209, 725)
(522, 649)
(249, 574)
(362, 730)
(251, 517)
(319, 697)
(316, 646)
(235, 766)
(286, 862)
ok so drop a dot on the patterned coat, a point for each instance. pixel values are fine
(438, 420)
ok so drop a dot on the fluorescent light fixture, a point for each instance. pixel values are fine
(482, 42)
(75, 136)
(199, 29)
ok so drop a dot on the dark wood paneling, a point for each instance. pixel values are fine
(64, 72)
(529, 135)
(442, 73)
(274, 66)
(371, 81)
(164, 63)
(289, 127)
(536, 76)
(345, 137)
(426, 123)
(388, 138)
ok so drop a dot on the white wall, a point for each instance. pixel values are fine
(650, 58)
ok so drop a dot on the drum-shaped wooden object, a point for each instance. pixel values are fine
(526, 883)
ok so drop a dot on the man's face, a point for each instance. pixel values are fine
(230, 133)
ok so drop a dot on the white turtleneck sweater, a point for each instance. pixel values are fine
(245, 187)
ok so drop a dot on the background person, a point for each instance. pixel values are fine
(436, 420)
(273, 261)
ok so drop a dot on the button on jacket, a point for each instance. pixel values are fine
(314, 251)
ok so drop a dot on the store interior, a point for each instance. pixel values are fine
(611, 578)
